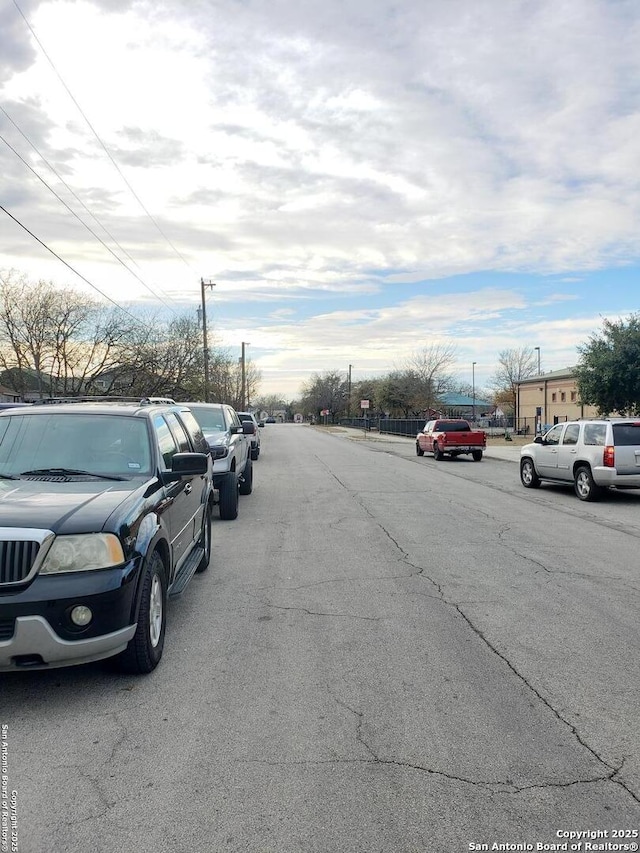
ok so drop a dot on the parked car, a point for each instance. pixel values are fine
(105, 513)
(450, 436)
(593, 455)
(247, 417)
(270, 420)
(230, 447)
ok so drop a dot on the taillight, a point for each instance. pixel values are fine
(609, 456)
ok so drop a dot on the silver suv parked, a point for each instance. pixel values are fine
(593, 455)
(230, 448)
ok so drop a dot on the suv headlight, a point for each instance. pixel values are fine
(219, 451)
(82, 553)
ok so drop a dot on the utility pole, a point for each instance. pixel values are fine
(349, 398)
(243, 392)
(204, 284)
(473, 383)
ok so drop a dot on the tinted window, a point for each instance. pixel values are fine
(166, 441)
(595, 434)
(571, 434)
(179, 433)
(453, 427)
(625, 435)
(193, 427)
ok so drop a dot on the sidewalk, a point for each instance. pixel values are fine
(507, 451)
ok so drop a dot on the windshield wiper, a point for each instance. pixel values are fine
(67, 472)
(8, 477)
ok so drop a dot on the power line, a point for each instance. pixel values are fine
(95, 133)
(62, 260)
(89, 229)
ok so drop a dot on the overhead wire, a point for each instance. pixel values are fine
(75, 271)
(97, 136)
(73, 212)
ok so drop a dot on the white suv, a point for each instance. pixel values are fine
(593, 455)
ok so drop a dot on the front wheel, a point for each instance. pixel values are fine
(438, 455)
(419, 450)
(528, 476)
(144, 651)
(585, 487)
(477, 455)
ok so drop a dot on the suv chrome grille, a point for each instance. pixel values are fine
(16, 560)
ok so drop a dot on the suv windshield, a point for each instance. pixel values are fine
(210, 419)
(80, 442)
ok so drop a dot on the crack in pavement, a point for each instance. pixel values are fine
(611, 771)
(498, 786)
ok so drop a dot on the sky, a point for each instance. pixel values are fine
(360, 178)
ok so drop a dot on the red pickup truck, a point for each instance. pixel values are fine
(450, 436)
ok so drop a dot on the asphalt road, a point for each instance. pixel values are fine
(387, 654)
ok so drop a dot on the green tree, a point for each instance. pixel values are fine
(608, 373)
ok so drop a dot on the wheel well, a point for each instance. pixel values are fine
(162, 548)
(577, 465)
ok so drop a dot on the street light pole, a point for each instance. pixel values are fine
(204, 284)
(538, 349)
(473, 385)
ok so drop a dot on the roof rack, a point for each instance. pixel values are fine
(145, 401)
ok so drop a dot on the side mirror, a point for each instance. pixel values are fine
(187, 465)
(538, 440)
(248, 428)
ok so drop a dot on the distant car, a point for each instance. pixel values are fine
(247, 417)
(105, 513)
(270, 420)
(229, 444)
(593, 455)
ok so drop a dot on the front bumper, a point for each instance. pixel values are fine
(36, 630)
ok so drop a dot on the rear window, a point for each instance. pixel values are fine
(463, 426)
(625, 435)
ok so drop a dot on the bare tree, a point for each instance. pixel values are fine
(513, 366)
(432, 365)
(52, 339)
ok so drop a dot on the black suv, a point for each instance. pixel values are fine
(105, 511)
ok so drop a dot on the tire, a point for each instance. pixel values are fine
(246, 481)
(144, 651)
(228, 490)
(419, 450)
(255, 452)
(477, 455)
(438, 455)
(528, 476)
(205, 541)
(584, 485)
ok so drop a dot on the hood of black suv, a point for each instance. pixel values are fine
(66, 507)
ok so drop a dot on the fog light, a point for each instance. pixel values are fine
(81, 615)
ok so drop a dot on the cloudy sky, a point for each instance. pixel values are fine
(361, 178)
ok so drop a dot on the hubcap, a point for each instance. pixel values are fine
(155, 611)
(526, 473)
(582, 484)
